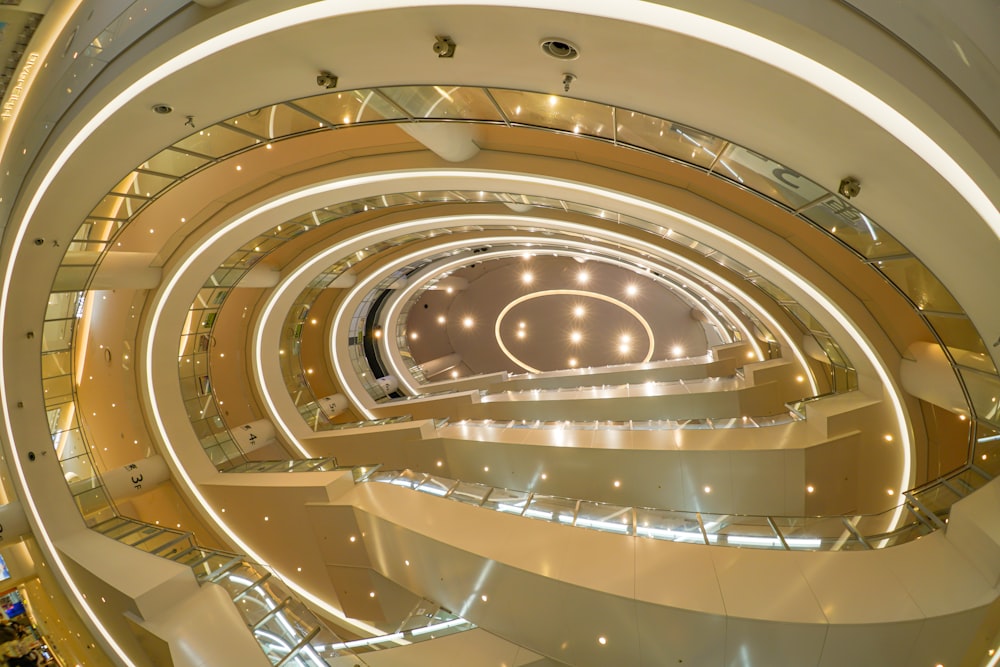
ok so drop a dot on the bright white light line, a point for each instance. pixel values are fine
(666, 18)
(570, 292)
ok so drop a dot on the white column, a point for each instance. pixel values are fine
(254, 435)
(333, 405)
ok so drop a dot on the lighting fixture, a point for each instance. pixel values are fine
(575, 336)
(467, 322)
(677, 350)
(527, 277)
(631, 290)
(579, 311)
(441, 319)
(582, 277)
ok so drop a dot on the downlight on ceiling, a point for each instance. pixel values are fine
(560, 49)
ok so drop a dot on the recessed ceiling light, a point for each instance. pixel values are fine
(677, 350)
(467, 322)
(572, 362)
(810, 488)
(602, 640)
(579, 311)
(414, 335)
(708, 489)
(527, 277)
(582, 277)
(631, 290)
(441, 319)
(454, 374)
(521, 333)
(575, 336)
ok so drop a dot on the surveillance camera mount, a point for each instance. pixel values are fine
(444, 46)
(849, 188)
(327, 80)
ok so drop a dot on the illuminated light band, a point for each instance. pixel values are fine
(426, 179)
(402, 372)
(458, 178)
(358, 397)
(570, 292)
(665, 18)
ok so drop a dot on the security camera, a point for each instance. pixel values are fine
(444, 47)
(39, 241)
(849, 187)
(326, 80)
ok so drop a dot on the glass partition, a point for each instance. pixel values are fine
(925, 510)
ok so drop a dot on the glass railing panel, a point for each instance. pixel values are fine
(984, 394)
(192, 557)
(551, 508)
(444, 102)
(58, 388)
(118, 207)
(741, 531)
(69, 443)
(668, 525)
(968, 481)
(556, 112)
(385, 476)
(817, 533)
(212, 565)
(143, 183)
(167, 544)
(919, 284)
(63, 305)
(506, 500)
(469, 493)
(854, 228)
(436, 486)
(604, 516)
(875, 529)
(987, 449)
(349, 107)
(937, 500)
(958, 333)
(767, 177)
(55, 364)
(241, 578)
(145, 533)
(174, 162)
(667, 138)
(275, 121)
(215, 141)
(57, 335)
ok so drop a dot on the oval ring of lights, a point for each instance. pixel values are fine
(399, 367)
(569, 292)
(349, 383)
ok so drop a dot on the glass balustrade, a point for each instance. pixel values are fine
(926, 509)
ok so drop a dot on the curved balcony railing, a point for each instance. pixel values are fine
(705, 424)
(926, 508)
